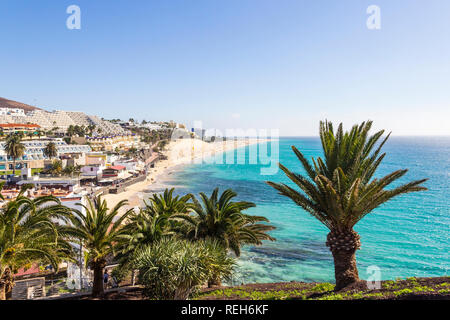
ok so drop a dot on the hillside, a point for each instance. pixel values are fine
(5, 103)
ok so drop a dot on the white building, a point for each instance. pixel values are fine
(12, 112)
(34, 153)
(93, 170)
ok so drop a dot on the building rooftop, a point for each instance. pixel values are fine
(117, 167)
(15, 125)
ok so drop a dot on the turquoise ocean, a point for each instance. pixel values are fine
(408, 236)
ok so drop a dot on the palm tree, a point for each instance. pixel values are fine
(145, 228)
(222, 219)
(166, 204)
(69, 170)
(90, 129)
(56, 167)
(340, 190)
(29, 235)
(151, 224)
(100, 231)
(156, 220)
(50, 150)
(70, 131)
(14, 148)
(72, 170)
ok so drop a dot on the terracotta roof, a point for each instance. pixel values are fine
(117, 167)
(22, 271)
(17, 125)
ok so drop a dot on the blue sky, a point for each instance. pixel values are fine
(234, 63)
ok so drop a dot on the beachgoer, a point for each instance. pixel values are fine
(105, 279)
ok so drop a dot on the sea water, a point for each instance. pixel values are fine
(408, 236)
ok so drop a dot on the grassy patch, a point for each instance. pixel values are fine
(390, 289)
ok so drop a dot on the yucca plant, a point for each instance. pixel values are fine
(221, 265)
(173, 269)
(340, 189)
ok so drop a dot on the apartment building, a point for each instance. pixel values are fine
(34, 153)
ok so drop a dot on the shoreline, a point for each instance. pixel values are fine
(179, 154)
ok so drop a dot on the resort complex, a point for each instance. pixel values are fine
(56, 121)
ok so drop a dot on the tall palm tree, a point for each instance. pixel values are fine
(70, 131)
(167, 204)
(100, 231)
(29, 235)
(340, 190)
(50, 150)
(14, 148)
(222, 219)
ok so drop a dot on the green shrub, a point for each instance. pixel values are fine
(322, 287)
(402, 292)
(175, 269)
(120, 272)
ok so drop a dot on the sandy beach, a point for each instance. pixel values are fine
(178, 152)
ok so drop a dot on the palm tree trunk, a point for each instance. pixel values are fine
(97, 287)
(345, 270)
(14, 166)
(214, 281)
(6, 284)
(343, 246)
(182, 293)
(2, 291)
